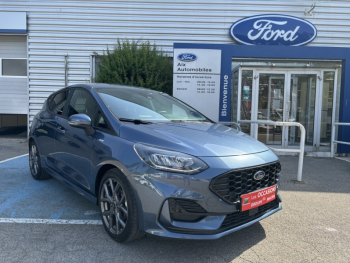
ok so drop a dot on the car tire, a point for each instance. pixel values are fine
(36, 170)
(118, 207)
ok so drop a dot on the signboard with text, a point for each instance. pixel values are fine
(197, 79)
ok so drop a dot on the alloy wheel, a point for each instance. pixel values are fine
(114, 206)
(34, 159)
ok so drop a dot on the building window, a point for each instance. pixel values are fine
(14, 67)
(13, 125)
(95, 67)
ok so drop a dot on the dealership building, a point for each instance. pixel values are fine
(233, 60)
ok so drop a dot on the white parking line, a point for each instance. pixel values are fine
(13, 158)
(346, 159)
(50, 221)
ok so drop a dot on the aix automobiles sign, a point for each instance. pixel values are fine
(271, 29)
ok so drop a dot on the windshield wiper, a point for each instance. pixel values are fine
(135, 121)
(178, 121)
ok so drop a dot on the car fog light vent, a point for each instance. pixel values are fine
(185, 210)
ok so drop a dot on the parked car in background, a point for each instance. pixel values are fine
(264, 127)
(276, 115)
(152, 163)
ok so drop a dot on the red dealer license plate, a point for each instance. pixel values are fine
(258, 198)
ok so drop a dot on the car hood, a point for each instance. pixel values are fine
(198, 139)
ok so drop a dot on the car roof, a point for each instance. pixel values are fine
(91, 86)
(104, 85)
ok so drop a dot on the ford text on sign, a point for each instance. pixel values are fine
(280, 30)
(258, 198)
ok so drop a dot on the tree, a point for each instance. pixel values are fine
(136, 63)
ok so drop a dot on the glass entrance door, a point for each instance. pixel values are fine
(304, 96)
(301, 107)
(270, 107)
(326, 118)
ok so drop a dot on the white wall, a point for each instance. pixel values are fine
(13, 90)
(81, 27)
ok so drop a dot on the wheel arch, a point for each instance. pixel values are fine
(30, 140)
(114, 164)
(108, 165)
(101, 172)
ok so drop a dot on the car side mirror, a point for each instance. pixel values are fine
(81, 121)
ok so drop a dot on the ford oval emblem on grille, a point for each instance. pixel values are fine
(187, 57)
(259, 175)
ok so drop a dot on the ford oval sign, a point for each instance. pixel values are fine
(259, 175)
(187, 57)
(279, 30)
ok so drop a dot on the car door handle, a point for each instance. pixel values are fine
(61, 130)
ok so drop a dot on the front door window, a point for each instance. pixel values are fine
(82, 102)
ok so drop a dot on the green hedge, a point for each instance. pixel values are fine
(136, 63)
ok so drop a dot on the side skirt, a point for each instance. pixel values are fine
(71, 185)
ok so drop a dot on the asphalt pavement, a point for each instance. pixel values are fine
(313, 226)
(10, 148)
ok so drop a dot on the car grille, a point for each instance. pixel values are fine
(239, 218)
(230, 186)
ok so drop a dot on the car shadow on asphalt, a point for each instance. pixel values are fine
(162, 249)
(224, 249)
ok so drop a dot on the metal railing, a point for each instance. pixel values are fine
(302, 140)
(333, 136)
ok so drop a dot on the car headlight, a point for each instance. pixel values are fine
(171, 161)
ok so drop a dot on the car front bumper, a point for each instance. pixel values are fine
(154, 189)
(215, 235)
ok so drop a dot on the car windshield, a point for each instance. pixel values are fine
(147, 105)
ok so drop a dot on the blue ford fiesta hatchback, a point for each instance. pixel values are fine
(153, 164)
